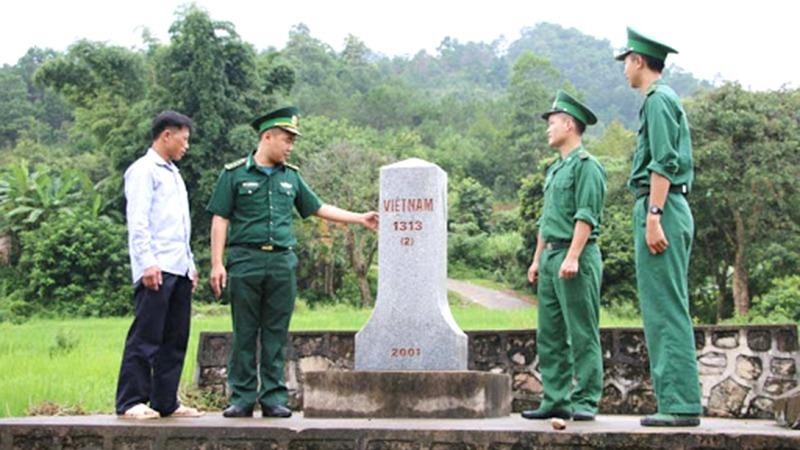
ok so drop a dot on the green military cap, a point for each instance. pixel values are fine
(284, 118)
(644, 45)
(566, 104)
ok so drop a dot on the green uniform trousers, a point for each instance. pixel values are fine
(664, 298)
(262, 288)
(568, 339)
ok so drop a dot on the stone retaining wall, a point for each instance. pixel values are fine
(742, 369)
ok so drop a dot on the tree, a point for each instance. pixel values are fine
(531, 202)
(91, 70)
(747, 167)
(107, 87)
(613, 149)
(76, 264)
(30, 199)
(345, 173)
(317, 67)
(51, 111)
(16, 112)
(588, 63)
(533, 83)
(208, 73)
(470, 202)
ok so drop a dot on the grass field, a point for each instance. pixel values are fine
(71, 365)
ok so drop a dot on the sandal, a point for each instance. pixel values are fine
(140, 411)
(186, 411)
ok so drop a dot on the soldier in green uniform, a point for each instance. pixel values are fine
(661, 178)
(252, 206)
(568, 266)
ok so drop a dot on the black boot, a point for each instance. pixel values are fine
(238, 411)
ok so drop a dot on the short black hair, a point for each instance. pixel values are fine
(169, 119)
(579, 125)
(654, 64)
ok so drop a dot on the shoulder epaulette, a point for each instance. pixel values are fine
(583, 154)
(235, 164)
(292, 166)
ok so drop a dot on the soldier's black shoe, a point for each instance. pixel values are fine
(238, 411)
(275, 411)
(546, 414)
(582, 416)
(670, 420)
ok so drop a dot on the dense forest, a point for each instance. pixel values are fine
(72, 121)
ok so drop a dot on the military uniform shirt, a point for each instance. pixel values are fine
(663, 144)
(574, 189)
(259, 206)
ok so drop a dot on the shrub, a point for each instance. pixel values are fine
(501, 250)
(76, 264)
(781, 303)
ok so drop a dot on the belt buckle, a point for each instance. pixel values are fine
(267, 248)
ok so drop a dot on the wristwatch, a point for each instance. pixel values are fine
(655, 210)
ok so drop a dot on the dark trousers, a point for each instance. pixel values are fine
(156, 346)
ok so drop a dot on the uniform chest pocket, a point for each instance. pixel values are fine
(565, 181)
(564, 190)
(284, 195)
(248, 192)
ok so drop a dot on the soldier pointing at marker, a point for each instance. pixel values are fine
(252, 206)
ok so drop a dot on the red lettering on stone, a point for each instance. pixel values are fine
(408, 205)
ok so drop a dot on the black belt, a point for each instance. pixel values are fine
(559, 245)
(264, 247)
(675, 188)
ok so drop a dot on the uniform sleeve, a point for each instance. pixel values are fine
(590, 192)
(662, 133)
(139, 192)
(306, 202)
(221, 203)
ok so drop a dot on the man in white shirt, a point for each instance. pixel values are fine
(164, 276)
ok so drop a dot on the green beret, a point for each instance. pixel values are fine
(284, 118)
(564, 103)
(638, 43)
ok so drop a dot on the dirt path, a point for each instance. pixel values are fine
(490, 298)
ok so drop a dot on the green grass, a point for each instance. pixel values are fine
(74, 363)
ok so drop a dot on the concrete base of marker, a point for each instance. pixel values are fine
(422, 394)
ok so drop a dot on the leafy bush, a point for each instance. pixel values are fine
(505, 220)
(501, 251)
(781, 303)
(465, 244)
(470, 202)
(616, 245)
(76, 264)
(12, 308)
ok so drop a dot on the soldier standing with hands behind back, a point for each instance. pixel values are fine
(252, 206)
(661, 177)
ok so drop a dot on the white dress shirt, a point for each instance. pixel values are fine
(159, 226)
